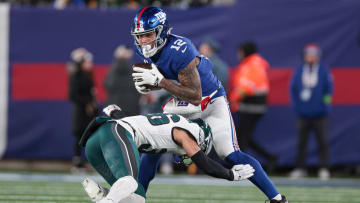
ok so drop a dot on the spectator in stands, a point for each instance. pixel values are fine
(248, 97)
(81, 94)
(210, 48)
(311, 91)
(133, 4)
(118, 82)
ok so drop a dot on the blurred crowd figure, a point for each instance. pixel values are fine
(311, 92)
(209, 48)
(248, 97)
(118, 82)
(82, 96)
(134, 4)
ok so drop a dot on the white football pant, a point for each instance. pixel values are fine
(218, 116)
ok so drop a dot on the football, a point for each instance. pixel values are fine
(145, 66)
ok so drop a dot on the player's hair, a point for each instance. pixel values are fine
(248, 48)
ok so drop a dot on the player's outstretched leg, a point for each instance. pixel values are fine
(148, 168)
(95, 156)
(260, 179)
(112, 152)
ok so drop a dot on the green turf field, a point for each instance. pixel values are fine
(20, 191)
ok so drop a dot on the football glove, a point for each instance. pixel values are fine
(242, 172)
(151, 77)
(177, 106)
(109, 109)
(142, 89)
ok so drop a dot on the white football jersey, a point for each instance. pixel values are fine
(153, 133)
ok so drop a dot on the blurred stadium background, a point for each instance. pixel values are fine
(36, 38)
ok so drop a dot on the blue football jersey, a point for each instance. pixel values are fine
(176, 55)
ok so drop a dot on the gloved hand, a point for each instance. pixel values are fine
(177, 106)
(109, 109)
(142, 89)
(151, 77)
(242, 172)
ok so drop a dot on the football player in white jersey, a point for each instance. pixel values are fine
(198, 92)
(112, 144)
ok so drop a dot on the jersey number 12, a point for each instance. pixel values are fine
(177, 44)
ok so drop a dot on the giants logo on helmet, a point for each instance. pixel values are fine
(140, 27)
(161, 16)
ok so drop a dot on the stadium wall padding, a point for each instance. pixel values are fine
(41, 40)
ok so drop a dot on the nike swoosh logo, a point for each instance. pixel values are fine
(183, 51)
(212, 101)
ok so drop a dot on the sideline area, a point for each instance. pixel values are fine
(180, 180)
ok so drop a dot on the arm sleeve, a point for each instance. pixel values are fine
(211, 167)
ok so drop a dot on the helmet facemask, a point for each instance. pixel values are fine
(146, 49)
(205, 141)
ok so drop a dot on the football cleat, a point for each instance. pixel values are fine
(94, 190)
(283, 200)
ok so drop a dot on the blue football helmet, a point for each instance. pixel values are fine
(150, 19)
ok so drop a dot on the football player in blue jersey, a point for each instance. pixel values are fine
(178, 68)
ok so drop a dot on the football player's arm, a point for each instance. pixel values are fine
(189, 88)
(193, 151)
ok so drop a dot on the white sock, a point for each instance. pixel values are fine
(122, 188)
(277, 197)
(133, 198)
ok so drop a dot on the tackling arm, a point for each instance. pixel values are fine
(206, 164)
(189, 88)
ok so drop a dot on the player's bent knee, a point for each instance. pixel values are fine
(239, 157)
(127, 183)
(122, 188)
